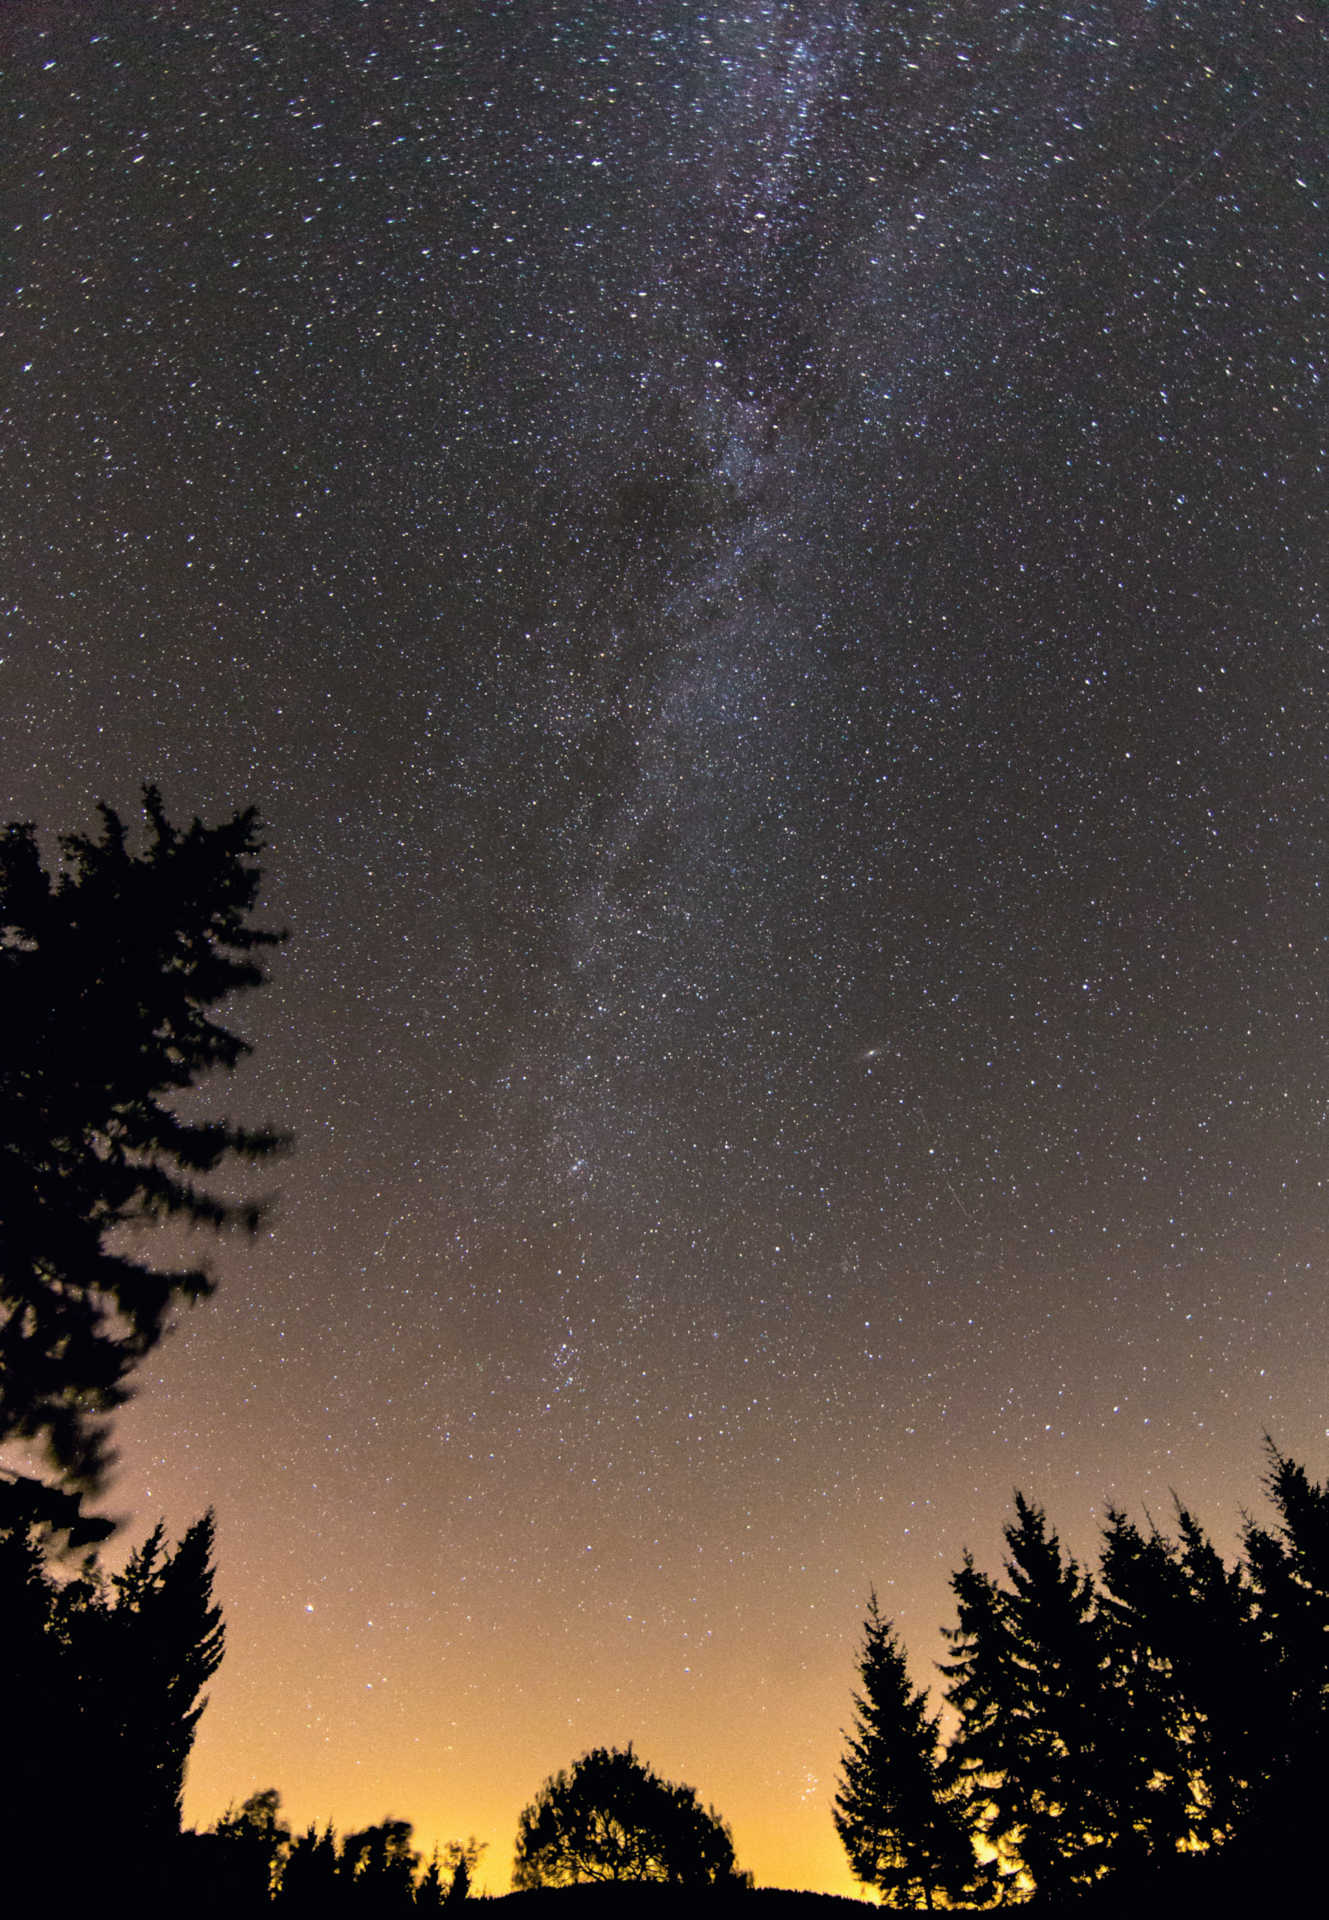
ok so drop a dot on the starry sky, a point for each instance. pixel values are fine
(765, 566)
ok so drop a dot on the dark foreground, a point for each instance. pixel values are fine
(637, 1901)
(1188, 1890)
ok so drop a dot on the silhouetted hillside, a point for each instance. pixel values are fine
(646, 1900)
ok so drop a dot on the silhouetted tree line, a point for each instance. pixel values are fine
(609, 1818)
(102, 1693)
(249, 1862)
(1135, 1729)
(1111, 1729)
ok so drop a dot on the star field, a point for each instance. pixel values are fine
(765, 567)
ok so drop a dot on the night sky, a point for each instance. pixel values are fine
(765, 566)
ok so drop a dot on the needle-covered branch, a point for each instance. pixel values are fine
(111, 973)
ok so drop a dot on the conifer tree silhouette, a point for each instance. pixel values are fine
(107, 1681)
(903, 1827)
(109, 974)
(1045, 1739)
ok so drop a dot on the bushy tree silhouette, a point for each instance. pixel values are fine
(253, 1841)
(377, 1866)
(309, 1885)
(109, 974)
(611, 1818)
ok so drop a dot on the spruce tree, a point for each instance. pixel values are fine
(1043, 1740)
(109, 974)
(162, 1643)
(900, 1824)
(1187, 1652)
(111, 1673)
(987, 1752)
(1289, 1569)
(1144, 1609)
